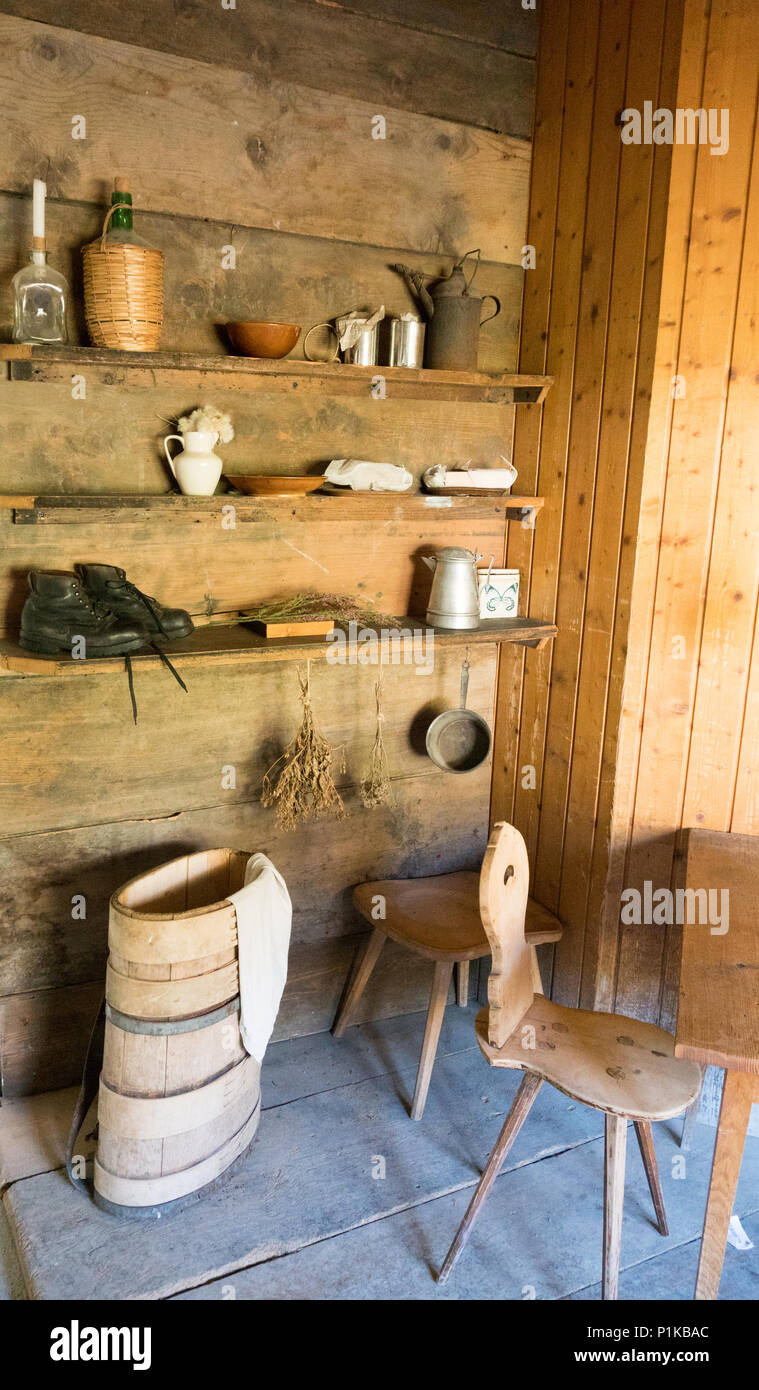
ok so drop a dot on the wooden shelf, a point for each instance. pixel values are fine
(71, 509)
(106, 367)
(227, 644)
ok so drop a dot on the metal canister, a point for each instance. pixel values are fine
(406, 348)
(364, 350)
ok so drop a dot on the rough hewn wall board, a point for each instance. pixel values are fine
(211, 142)
(44, 1033)
(99, 766)
(270, 187)
(505, 25)
(213, 569)
(55, 964)
(112, 442)
(277, 275)
(387, 60)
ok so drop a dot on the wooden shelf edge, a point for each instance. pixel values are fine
(27, 509)
(208, 646)
(29, 362)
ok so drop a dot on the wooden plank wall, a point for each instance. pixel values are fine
(596, 221)
(248, 127)
(689, 741)
(641, 718)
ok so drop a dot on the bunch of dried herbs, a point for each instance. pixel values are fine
(300, 784)
(311, 605)
(375, 788)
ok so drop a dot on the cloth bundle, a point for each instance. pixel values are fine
(264, 920)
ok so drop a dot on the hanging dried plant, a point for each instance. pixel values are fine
(300, 783)
(375, 788)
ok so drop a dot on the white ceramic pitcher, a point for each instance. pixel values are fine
(196, 468)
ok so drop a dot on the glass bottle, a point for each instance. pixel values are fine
(120, 228)
(40, 300)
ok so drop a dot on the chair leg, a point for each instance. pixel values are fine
(648, 1154)
(614, 1200)
(462, 983)
(438, 999)
(516, 1117)
(359, 982)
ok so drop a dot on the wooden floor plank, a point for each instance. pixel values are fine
(308, 1177)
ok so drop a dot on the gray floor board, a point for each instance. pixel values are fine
(539, 1236)
(673, 1274)
(308, 1176)
(304, 1217)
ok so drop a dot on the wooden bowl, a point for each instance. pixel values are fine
(261, 486)
(263, 339)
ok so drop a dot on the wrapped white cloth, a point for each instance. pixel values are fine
(438, 476)
(264, 918)
(363, 476)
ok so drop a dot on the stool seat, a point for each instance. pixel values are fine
(608, 1061)
(439, 917)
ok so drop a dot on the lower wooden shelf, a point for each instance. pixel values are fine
(231, 644)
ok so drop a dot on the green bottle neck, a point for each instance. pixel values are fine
(122, 217)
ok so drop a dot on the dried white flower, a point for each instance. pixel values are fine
(207, 417)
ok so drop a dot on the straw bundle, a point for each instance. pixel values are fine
(123, 293)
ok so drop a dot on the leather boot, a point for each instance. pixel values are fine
(108, 584)
(59, 611)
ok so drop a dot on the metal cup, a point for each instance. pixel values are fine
(364, 350)
(406, 348)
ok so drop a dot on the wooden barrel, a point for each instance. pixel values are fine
(179, 1096)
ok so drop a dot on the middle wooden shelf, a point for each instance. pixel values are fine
(223, 644)
(129, 509)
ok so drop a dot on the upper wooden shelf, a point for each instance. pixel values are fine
(224, 644)
(72, 509)
(107, 367)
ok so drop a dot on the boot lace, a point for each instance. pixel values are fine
(150, 603)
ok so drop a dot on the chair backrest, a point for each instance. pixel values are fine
(504, 888)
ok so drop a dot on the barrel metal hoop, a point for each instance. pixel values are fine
(159, 1029)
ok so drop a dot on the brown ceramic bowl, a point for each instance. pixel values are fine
(263, 339)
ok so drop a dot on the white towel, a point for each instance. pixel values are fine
(264, 917)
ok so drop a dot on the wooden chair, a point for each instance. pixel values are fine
(614, 1064)
(438, 918)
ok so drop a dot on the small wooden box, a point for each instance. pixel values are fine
(317, 627)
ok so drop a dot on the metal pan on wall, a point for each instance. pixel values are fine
(459, 740)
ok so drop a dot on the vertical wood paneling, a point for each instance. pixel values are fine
(692, 480)
(576, 95)
(614, 803)
(585, 419)
(615, 417)
(643, 719)
(544, 184)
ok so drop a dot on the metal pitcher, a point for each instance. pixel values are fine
(454, 598)
(454, 310)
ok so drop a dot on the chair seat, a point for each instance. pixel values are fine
(440, 917)
(608, 1061)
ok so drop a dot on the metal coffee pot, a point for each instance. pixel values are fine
(454, 311)
(454, 598)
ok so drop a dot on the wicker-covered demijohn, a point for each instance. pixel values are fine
(123, 293)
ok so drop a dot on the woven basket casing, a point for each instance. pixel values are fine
(123, 294)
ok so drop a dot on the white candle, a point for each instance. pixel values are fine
(38, 208)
